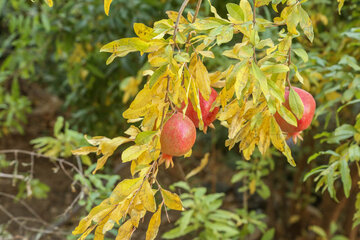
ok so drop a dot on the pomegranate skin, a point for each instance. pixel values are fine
(205, 106)
(177, 136)
(305, 121)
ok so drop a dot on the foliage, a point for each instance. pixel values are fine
(13, 110)
(66, 43)
(176, 76)
(203, 216)
(251, 174)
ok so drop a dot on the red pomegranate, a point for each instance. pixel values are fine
(205, 106)
(177, 138)
(303, 123)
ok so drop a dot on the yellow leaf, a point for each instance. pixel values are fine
(172, 200)
(49, 2)
(202, 79)
(143, 31)
(259, 3)
(252, 186)
(247, 10)
(341, 4)
(154, 225)
(107, 6)
(146, 196)
(196, 170)
(101, 162)
(84, 150)
(173, 16)
(135, 217)
(120, 211)
(125, 231)
(108, 147)
(125, 188)
(99, 234)
(133, 152)
(278, 140)
(95, 141)
(264, 139)
(104, 207)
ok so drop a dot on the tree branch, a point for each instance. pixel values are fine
(182, 8)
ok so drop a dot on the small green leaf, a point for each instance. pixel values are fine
(156, 75)
(301, 53)
(287, 115)
(296, 105)
(235, 11)
(345, 177)
(318, 230)
(269, 234)
(144, 137)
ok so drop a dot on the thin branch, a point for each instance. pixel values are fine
(198, 5)
(182, 8)
(254, 23)
(166, 212)
(288, 63)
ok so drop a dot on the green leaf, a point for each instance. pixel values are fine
(260, 76)
(296, 105)
(318, 230)
(235, 11)
(144, 137)
(276, 68)
(287, 115)
(345, 177)
(301, 53)
(156, 75)
(269, 234)
(354, 152)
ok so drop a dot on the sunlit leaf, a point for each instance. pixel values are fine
(296, 104)
(172, 200)
(147, 197)
(107, 6)
(154, 224)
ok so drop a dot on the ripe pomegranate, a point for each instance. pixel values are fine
(205, 106)
(303, 123)
(177, 138)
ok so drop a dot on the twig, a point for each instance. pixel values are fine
(16, 151)
(254, 23)
(13, 218)
(12, 176)
(32, 211)
(197, 10)
(166, 212)
(288, 63)
(182, 8)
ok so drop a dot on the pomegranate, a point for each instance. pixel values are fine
(303, 123)
(205, 106)
(177, 138)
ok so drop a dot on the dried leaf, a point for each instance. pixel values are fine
(196, 170)
(84, 150)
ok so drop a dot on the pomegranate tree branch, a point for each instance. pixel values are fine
(198, 5)
(254, 23)
(182, 8)
(288, 63)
